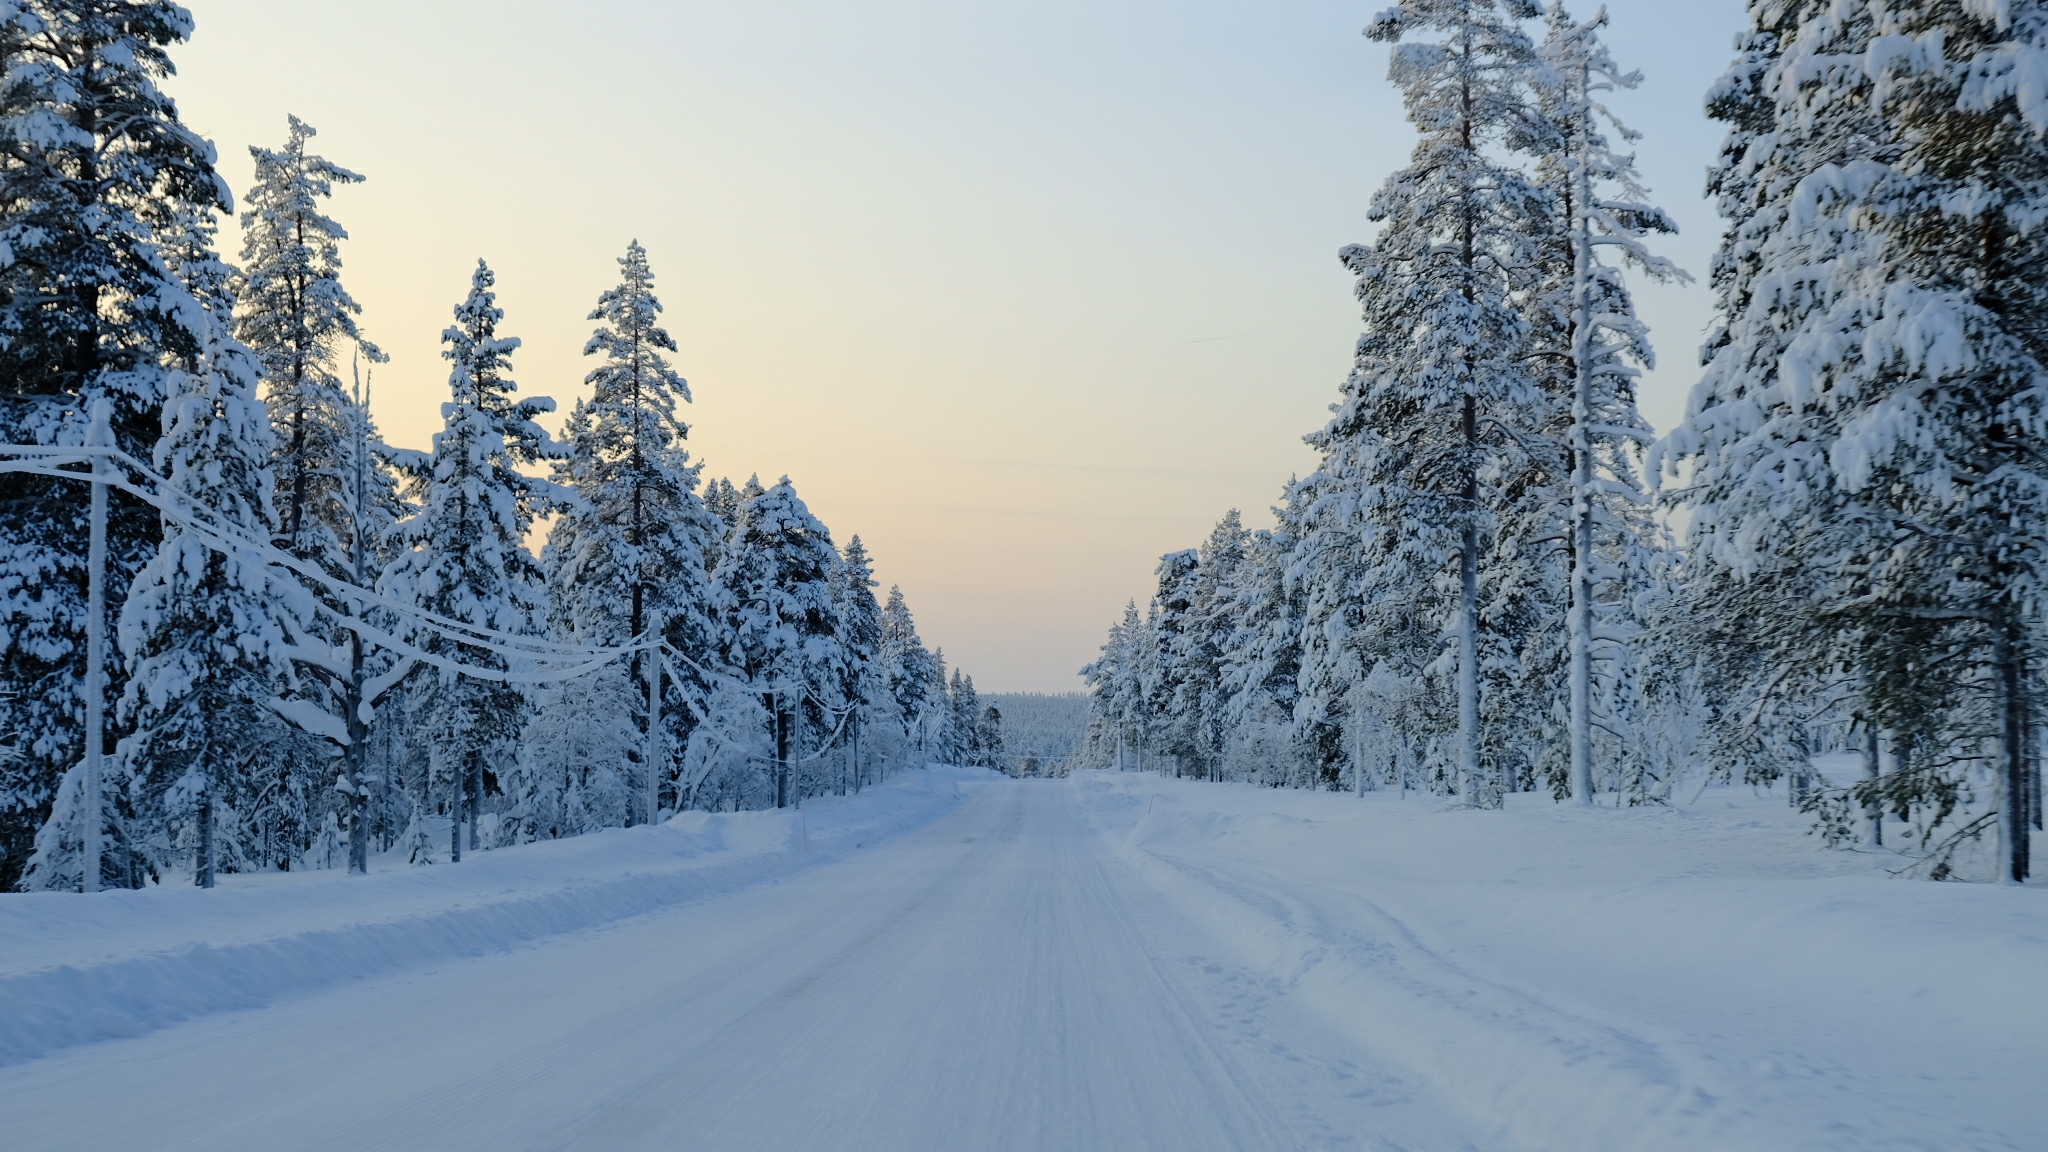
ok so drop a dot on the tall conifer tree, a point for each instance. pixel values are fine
(463, 555)
(95, 162)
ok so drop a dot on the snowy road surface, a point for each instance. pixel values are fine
(991, 981)
(1112, 962)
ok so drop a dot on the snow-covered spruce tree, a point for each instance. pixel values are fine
(1931, 358)
(574, 769)
(1199, 697)
(988, 737)
(462, 555)
(932, 718)
(908, 667)
(863, 689)
(1777, 598)
(1440, 381)
(1116, 688)
(335, 496)
(1174, 693)
(632, 548)
(722, 500)
(1584, 311)
(94, 158)
(1750, 455)
(294, 314)
(1261, 667)
(775, 592)
(963, 732)
(208, 632)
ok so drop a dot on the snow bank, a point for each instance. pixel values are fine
(1698, 977)
(79, 968)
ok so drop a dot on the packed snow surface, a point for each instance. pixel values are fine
(1116, 961)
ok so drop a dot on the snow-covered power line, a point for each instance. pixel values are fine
(45, 460)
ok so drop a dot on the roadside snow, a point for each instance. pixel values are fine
(1695, 977)
(79, 968)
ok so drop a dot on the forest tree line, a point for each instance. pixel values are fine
(1497, 580)
(321, 646)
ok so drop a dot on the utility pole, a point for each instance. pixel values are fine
(97, 436)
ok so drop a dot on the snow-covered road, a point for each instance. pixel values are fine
(995, 980)
(959, 962)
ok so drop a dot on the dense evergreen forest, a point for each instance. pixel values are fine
(317, 646)
(1499, 581)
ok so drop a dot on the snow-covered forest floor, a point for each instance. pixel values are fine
(956, 960)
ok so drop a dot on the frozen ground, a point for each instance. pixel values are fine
(961, 962)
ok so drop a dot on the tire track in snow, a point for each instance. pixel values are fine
(1536, 1075)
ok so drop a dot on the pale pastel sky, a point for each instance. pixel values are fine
(1024, 295)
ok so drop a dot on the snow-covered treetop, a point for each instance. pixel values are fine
(294, 311)
(776, 588)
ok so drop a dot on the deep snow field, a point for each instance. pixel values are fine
(959, 961)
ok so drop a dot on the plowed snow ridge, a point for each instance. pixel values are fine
(142, 960)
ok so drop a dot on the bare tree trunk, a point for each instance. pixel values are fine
(203, 874)
(1873, 812)
(89, 874)
(1468, 620)
(1582, 465)
(455, 814)
(2012, 791)
(653, 753)
(357, 761)
(781, 753)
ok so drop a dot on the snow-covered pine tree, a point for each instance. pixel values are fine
(208, 632)
(907, 665)
(463, 555)
(1116, 685)
(932, 718)
(1861, 469)
(1599, 204)
(1199, 697)
(573, 772)
(335, 497)
(963, 736)
(633, 546)
(1749, 460)
(1174, 693)
(95, 159)
(1348, 619)
(722, 500)
(294, 314)
(1440, 380)
(1261, 666)
(863, 688)
(1929, 364)
(988, 736)
(775, 590)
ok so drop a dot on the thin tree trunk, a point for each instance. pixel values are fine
(1468, 621)
(2034, 775)
(1873, 812)
(455, 814)
(203, 874)
(1468, 558)
(653, 753)
(476, 797)
(781, 753)
(89, 873)
(1582, 461)
(357, 760)
(2011, 798)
